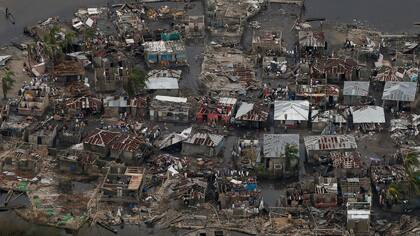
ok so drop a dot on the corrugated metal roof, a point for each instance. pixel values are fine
(329, 142)
(210, 140)
(356, 88)
(291, 110)
(228, 101)
(171, 99)
(244, 109)
(368, 114)
(400, 91)
(162, 83)
(275, 144)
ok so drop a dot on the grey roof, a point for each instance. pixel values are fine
(291, 110)
(368, 114)
(244, 109)
(329, 142)
(162, 83)
(275, 144)
(400, 91)
(356, 88)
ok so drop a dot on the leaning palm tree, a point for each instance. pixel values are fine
(7, 82)
(411, 162)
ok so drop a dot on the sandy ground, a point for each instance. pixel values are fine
(15, 64)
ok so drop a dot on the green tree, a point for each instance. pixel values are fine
(7, 82)
(291, 157)
(411, 161)
(136, 81)
(68, 41)
(394, 193)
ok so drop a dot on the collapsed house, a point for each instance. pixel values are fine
(122, 184)
(44, 134)
(312, 41)
(267, 42)
(326, 191)
(337, 69)
(110, 72)
(166, 108)
(347, 164)
(203, 144)
(274, 67)
(324, 122)
(99, 140)
(320, 94)
(194, 27)
(67, 72)
(78, 162)
(35, 100)
(84, 105)
(26, 163)
(354, 91)
(216, 111)
(254, 115)
(227, 18)
(318, 146)
(227, 70)
(291, 113)
(280, 155)
(405, 128)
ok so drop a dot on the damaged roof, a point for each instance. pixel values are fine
(329, 142)
(400, 91)
(128, 143)
(311, 39)
(275, 144)
(291, 110)
(205, 139)
(356, 88)
(69, 68)
(251, 112)
(368, 114)
(101, 137)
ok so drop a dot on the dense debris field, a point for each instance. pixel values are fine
(184, 115)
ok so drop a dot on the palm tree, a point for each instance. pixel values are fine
(291, 156)
(136, 81)
(7, 82)
(411, 163)
(67, 43)
(394, 192)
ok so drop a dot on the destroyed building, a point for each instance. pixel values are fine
(318, 146)
(122, 184)
(22, 162)
(99, 141)
(139, 107)
(194, 27)
(227, 70)
(267, 42)
(312, 41)
(252, 115)
(110, 72)
(347, 164)
(35, 100)
(326, 191)
(227, 18)
(321, 121)
(78, 163)
(128, 148)
(203, 144)
(216, 111)
(172, 109)
(44, 134)
(67, 72)
(337, 69)
(280, 155)
(84, 105)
